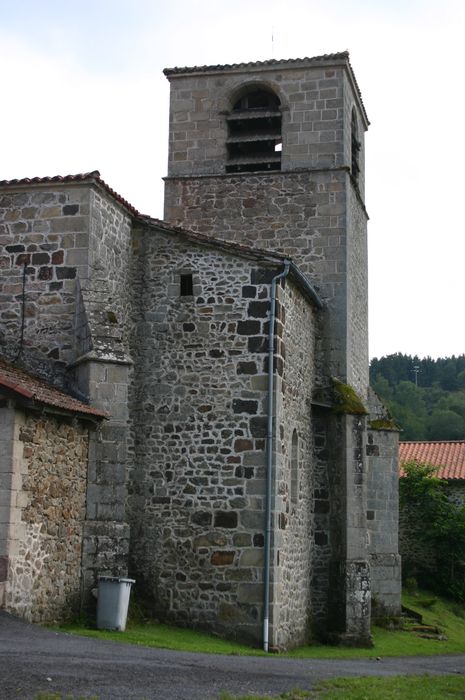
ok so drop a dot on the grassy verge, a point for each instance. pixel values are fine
(392, 688)
(449, 617)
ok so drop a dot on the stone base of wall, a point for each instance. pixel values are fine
(385, 585)
(105, 550)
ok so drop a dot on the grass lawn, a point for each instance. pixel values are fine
(449, 617)
(392, 688)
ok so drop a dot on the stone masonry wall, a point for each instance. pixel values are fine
(44, 581)
(312, 116)
(199, 427)
(304, 210)
(300, 214)
(45, 228)
(106, 293)
(103, 374)
(383, 521)
(293, 510)
(357, 294)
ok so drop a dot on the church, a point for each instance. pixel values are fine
(186, 400)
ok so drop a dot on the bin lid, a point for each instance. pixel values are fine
(116, 579)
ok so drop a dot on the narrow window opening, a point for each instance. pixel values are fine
(186, 285)
(254, 133)
(355, 148)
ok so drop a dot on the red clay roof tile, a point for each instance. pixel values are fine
(448, 455)
(24, 384)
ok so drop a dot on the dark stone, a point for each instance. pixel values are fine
(321, 506)
(55, 286)
(258, 426)
(216, 353)
(258, 309)
(58, 257)
(180, 576)
(246, 368)
(40, 258)
(15, 248)
(222, 558)
(248, 327)
(202, 517)
(66, 273)
(23, 259)
(70, 209)
(258, 540)
(161, 499)
(263, 275)
(188, 327)
(242, 445)
(257, 344)
(223, 586)
(321, 538)
(249, 292)
(248, 472)
(245, 406)
(45, 273)
(282, 521)
(225, 518)
(370, 514)
(3, 568)
(321, 493)
(54, 354)
(373, 450)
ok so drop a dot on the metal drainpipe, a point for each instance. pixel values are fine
(269, 454)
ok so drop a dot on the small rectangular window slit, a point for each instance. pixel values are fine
(186, 285)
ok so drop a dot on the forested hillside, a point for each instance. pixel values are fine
(425, 396)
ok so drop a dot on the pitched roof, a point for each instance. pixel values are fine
(93, 175)
(448, 455)
(37, 391)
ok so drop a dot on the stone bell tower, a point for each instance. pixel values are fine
(272, 154)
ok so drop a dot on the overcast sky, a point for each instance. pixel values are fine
(82, 89)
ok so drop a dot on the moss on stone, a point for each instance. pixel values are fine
(384, 424)
(346, 399)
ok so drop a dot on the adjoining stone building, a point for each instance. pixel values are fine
(248, 483)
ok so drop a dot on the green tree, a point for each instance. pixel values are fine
(438, 524)
(446, 425)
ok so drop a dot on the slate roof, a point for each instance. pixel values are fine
(448, 455)
(37, 391)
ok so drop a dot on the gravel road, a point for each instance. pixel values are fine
(33, 660)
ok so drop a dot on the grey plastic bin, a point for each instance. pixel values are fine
(113, 602)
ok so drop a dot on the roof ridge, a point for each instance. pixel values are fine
(341, 55)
